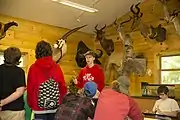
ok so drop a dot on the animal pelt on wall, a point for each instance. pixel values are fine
(80, 58)
(5, 27)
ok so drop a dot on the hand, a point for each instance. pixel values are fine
(75, 80)
(1, 103)
(158, 110)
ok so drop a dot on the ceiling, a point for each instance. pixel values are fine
(52, 13)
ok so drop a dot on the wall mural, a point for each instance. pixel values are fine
(60, 47)
(5, 27)
(81, 50)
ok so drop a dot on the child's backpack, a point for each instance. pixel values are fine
(48, 95)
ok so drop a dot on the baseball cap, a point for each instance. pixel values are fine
(90, 88)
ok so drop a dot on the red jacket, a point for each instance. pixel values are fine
(134, 111)
(91, 74)
(111, 105)
(116, 106)
(38, 73)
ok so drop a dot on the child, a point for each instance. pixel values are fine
(165, 105)
(78, 107)
(92, 72)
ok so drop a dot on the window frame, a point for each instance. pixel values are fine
(160, 67)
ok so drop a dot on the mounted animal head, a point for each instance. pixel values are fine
(171, 17)
(60, 47)
(158, 33)
(5, 27)
(107, 44)
(175, 14)
(80, 58)
(100, 34)
(127, 41)
(168, 17)
(136, 16)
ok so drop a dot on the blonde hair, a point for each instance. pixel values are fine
(115, 85)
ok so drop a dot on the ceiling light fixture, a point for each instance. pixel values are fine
(76, 5)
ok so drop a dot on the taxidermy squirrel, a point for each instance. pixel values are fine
(5, 27)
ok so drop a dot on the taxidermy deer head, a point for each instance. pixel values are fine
(171, 17)
(127, 41)
(107, 44)
(5, 27)
(137, 21)
(60, 47)
(158, 33)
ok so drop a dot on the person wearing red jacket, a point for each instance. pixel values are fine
(114, 103)
(92, 72)
(44, 66)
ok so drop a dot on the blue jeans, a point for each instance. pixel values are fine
(48, 116)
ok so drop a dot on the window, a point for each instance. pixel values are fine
(170, 69)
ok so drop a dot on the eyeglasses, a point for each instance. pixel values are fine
(161, 94)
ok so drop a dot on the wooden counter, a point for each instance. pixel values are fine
(147, 103)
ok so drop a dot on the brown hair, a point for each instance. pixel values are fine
(43, 49)
(12, 56)
(90, 53)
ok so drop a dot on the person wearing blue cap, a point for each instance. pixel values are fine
(76, 106)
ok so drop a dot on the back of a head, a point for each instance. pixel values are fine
(43, 49)
(12, 56)
(162, 89)
(90, 89)
(121, 85)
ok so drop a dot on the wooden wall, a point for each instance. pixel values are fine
(152, 12)
(28, 33)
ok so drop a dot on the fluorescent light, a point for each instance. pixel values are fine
(76, 5)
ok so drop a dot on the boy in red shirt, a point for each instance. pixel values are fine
(92, 72)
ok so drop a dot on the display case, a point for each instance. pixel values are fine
(150, 90)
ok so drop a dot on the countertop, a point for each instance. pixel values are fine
(151, 97)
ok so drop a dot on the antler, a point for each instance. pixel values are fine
(136, 6)
(103, 27)
(96, 28)
(136, 15)
(126, 21)
(71, 31)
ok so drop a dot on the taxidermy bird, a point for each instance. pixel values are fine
(5, 27)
